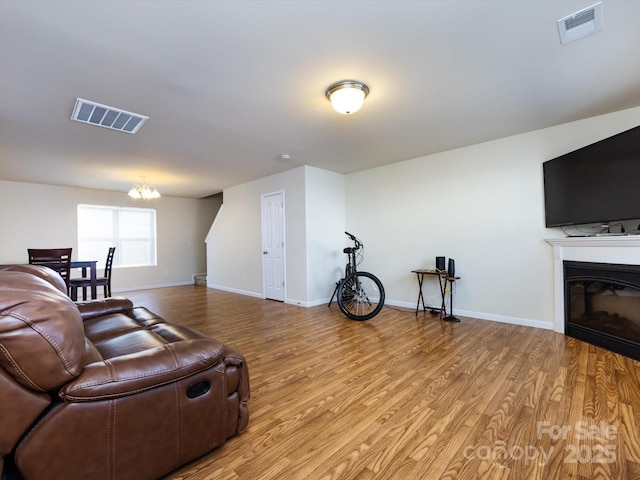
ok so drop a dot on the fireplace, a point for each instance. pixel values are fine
(602, 305)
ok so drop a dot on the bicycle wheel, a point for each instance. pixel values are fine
(361, 296)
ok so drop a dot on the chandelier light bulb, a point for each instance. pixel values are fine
(144, 191)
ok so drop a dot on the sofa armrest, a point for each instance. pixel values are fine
(133, 373)
(233, 358)
(105, 306)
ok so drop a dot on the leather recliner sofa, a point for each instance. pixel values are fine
(103, 390)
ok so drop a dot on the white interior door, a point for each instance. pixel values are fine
(273, 245)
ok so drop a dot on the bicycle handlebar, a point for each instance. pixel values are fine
(354, 239)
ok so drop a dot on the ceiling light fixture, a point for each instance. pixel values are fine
(144, 191)
(347, 96)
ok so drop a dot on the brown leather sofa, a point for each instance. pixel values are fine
(103, 390)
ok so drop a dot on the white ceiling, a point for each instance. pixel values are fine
(229, 86)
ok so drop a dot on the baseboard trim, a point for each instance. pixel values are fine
(525, 322)
(235, 290)
(149, 287)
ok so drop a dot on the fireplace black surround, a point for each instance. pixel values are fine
(602, 305)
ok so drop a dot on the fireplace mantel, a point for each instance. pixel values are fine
(623, 249)
(604, 241)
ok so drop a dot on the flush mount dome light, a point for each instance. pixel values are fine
(347, 96)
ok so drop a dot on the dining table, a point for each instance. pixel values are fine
(92, 266)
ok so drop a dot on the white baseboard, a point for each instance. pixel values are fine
(526, 322)
(395, 303)
(321, 301)
(149, 287)
(297, 303)
(235, 290)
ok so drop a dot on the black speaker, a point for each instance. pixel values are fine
(451, 270)
(440, 263)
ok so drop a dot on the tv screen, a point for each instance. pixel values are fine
(599, 183)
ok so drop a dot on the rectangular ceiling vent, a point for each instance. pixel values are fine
(108, 117)
(580, 24)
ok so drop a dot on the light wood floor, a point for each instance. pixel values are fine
(406, 397)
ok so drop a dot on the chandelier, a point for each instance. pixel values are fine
(144, 191)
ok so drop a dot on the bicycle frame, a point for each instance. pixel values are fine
(360, 294)
(352, 263)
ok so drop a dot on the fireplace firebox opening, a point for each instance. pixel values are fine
(602, 305)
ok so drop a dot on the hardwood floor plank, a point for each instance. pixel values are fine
(405, 396)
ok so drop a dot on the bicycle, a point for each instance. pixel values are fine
(360, 295)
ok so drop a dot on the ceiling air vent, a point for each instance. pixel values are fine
(580, 24)
(108, 117)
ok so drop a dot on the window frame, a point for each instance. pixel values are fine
(88, 247)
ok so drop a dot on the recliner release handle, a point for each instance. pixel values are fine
(199, 388)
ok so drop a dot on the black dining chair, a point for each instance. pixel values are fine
(58, 259)
(104, 281)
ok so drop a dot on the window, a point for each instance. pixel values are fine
(131, 230)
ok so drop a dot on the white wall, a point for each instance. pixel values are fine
(234, 250)
(325, 225)
(45, 216)
(314, 218)
(483, 206)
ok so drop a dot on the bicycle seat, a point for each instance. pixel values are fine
(349, 250)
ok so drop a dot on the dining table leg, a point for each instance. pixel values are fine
(93, 277)
(94, 286)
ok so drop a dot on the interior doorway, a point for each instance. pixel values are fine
(273, 265)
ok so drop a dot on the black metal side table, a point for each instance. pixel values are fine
(448, 281)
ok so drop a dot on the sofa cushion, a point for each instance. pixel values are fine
(42, 342)
(41, 271)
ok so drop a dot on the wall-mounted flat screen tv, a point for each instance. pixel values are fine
(599, 183)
